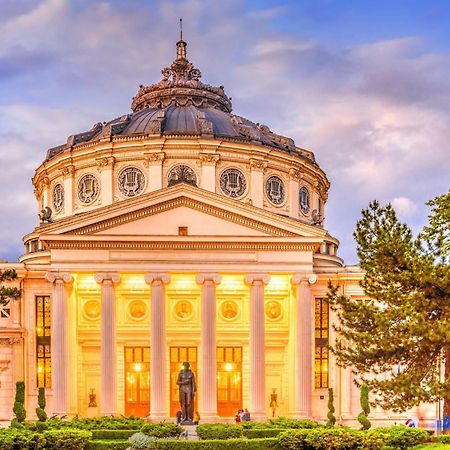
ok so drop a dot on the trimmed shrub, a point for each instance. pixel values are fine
(219, 431)
(261, 433)
(402, 437)
(99, 423)
(364, 400)
(108, 445)
(330, 415)
(13, 438)
(41, 427)
(112, 434)
(141, 441)
(19, 408)
(229, 444)
(40, 410)
(65, 439)
(444, 439)
(162, 430)
(283, 422)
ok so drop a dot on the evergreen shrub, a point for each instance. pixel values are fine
(40, 410)
(330, 415)
(19, 408)
(112, 434)
(162, 430)
(260, 433)
(219, 431)
(228, 444)
(115, 444)
(65, 439)
(444, 439)
(364, 400)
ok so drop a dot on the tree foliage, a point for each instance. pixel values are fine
(395, 340)
(40, 410)
(364, 401)
(19, 403)
(330, 415)
(8, 292)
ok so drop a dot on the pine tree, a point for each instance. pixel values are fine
(402, 330)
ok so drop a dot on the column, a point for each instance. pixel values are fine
(294, 179)
(59, 340)
(108, 366)
(346, 392)
(209, 161)
(257, 167)
(303, 376)
(68, 177)
(154, 162)
(105, 165)
(208, 374)
(257, 345)
(158, 391)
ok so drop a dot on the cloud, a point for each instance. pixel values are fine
(404, 206)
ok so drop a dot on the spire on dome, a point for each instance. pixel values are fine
(181, 45)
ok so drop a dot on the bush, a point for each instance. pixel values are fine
(13, 438)
(283, 422)
(259, 433)
(219, 431)
(402, 437)
(162, 430)
(141, 441)
(99, 423)
(444, 439)
(41, 427)
(19, 408)
(364, 400)
(229, 444)
(66, 439)
(112, 434)
(331, 417)
(40, 410)
(108, 445)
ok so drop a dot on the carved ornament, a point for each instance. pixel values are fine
(153, 158)
(209, 158)
(258, 164)
(10, 340)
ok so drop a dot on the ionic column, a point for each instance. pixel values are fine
(59, 341)
(158, 391)
(154, 162)
(257, 167)
(209, 161)
(304, 345)
(346, 392)
(105, 165)
(108, 352)
(257, 344)
(208, 374)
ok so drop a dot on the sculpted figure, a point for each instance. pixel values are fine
(186, 382)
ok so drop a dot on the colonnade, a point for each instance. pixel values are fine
(207, 383)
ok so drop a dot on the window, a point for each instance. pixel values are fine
(43, 349)
(275, 190)
(321, 344)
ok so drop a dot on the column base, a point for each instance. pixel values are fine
(209, 417)
(159, 417)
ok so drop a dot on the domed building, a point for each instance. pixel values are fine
(178, 232)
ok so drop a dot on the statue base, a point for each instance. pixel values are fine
(187, 422)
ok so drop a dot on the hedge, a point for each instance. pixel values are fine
(115, 444)
(162, 430)
(444, 439)
(219, 431)
(401, 437)
(228, 444)
(259, 433)
(112, 434)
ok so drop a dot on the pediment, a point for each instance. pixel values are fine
(162, 212)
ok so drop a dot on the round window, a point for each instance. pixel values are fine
(58, 197)
(275, 190)
(131, 181)
(181, 174)
(233, 183)
(304, 200)
(88, 189)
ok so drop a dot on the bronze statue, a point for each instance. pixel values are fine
(186, 382)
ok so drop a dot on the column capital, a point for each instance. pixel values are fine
(252, 278)
(101, 277)
(151, 278)
(303, 278)
(58, 277)
(201, 278)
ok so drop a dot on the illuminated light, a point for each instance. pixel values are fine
(39, 330)
(40, 370)
(137, 367)
(228, 367)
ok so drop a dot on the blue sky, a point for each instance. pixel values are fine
(363, 84)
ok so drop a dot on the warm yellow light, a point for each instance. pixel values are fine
(39, 330)
(40, 370)
(228, 367)
(137, 367)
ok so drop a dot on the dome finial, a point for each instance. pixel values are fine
(181, 45)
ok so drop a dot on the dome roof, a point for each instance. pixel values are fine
(181, 104)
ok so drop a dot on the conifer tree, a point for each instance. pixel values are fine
(330, 415)
(402, 329)
(7, 292)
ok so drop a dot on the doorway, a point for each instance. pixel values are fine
(137, 381)
(178, 355)
(229, 381)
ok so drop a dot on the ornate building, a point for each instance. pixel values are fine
(178, 232)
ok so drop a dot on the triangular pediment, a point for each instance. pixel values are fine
(163, 212)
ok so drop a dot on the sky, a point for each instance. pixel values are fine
(363, 84)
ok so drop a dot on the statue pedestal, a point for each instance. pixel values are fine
(190, 432)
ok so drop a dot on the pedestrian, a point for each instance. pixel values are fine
(246, 415)
(237, 418)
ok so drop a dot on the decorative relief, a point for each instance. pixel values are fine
(209, 158)
(153, 158)
(58, 197)
(10, 340)
(304, 200)
(229, 310)
(275, 190)
(183, 310)
(233, 183)
(181, 173)
(273, 310)
(131, 181)
(92, 309)
(295, 174)
(88, 189)
(105, 162)
(137, 309)
(258, 164)
(68, 170)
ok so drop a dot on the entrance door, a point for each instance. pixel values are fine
(229, 380)
(178, 355)
(137, 381)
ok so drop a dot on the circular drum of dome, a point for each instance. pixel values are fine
(131, 181)
(233, 183)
